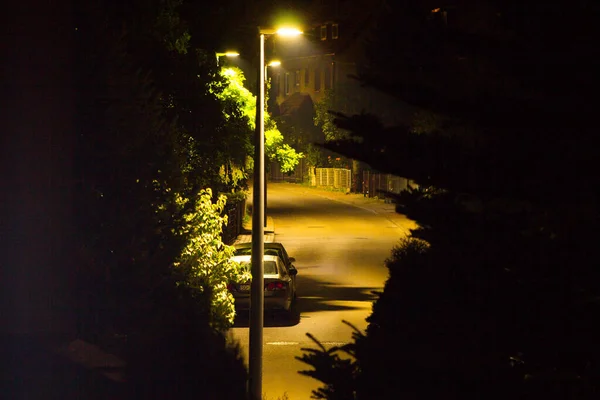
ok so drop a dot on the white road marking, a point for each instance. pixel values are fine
(283, 343)
(297, 343)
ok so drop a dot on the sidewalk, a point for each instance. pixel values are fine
(374, 205)
(246, 235)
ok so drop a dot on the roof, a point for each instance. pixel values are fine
(294, 103)
(247, 258)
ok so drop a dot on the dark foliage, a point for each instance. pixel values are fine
(484, 312)
(335, 367)
(485, 308)
(32, 369)
(496, 294)
(176, 355)
(127, 155)
(515, 106)
(147, 131)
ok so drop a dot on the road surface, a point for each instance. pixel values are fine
(340, 243)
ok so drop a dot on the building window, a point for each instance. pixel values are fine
(323, 32)
(440, 16)
(327, 77)
(287, 83)
(317, 79)
(273, 80)
(278, 85)
(306, 77)
(297, 80)
(334, 31)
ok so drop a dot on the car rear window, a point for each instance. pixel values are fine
(270, 267)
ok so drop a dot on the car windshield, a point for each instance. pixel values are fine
(270, 267)
(244, 251)
(272, 252)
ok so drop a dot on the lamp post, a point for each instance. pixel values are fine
(227, 54)
(274, 63)
(258, 239)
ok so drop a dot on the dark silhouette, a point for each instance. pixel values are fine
(495, 295)
(114, 115)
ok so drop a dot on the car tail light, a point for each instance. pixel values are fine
(273, 286)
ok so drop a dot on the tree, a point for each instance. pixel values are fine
(127, 155)
(298, 128)
(494, 295)
(275, 149)
(168, 39)
(205, 263)
(148, 245)
(324, 119)
(325, 110)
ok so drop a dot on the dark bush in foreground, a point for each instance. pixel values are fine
(476, 316)
(177, 355)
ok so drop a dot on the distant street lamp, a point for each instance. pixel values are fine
(227, 54)
(258, 211)
(274, 63)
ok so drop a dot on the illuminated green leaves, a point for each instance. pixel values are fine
(235, 93)
(237, 98)
(206, 260)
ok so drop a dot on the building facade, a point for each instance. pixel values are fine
(328, 53)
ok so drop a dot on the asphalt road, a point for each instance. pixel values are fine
(340, 243)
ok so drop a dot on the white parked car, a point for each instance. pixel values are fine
(280, 285)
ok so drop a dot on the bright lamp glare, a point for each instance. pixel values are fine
(232, 54)
(274, 63)
(289, 32)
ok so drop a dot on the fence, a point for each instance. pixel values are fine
(374, 184)
(337, 178)
(296, 176)
(236, 211)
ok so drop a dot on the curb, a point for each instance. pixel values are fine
(270, 238)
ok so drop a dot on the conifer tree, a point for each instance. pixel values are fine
(494, 295)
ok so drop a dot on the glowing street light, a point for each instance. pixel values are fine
(274, 63)
(283, 31)
(227, 54)
(258, 215)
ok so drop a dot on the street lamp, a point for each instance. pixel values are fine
(258, 211)
(274, 63)
(227, 54)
